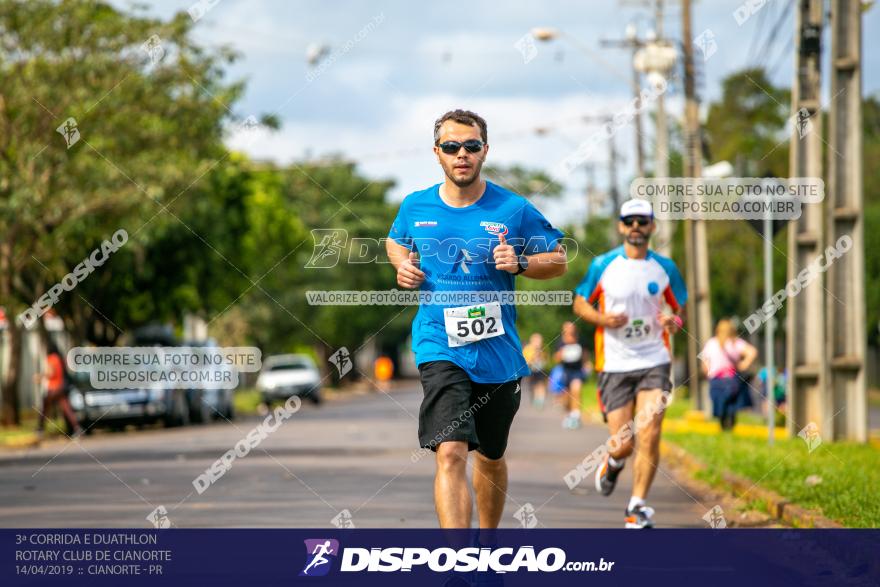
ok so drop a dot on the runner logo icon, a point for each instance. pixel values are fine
(320, 553)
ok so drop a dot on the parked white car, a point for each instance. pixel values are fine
(283, 376)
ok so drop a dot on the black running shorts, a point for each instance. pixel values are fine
(456, 408)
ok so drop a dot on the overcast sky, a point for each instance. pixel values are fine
(396, 66)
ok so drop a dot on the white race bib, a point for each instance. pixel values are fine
(637, 330)
(468, 324)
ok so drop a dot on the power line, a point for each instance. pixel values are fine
(753, 45)
(780, 59)
(771, 39)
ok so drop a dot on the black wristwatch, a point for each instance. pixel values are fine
(523, 262)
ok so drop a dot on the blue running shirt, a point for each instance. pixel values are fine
(455, 252)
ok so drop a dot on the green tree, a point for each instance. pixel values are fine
(142, 110)
(333, 196)
(746, 126)
(214, 245)
(871, 189)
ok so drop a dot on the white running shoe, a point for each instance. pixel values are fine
(640, 517)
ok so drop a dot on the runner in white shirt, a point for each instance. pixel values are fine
(625, 293)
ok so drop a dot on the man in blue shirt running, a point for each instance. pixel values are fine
(461, 243)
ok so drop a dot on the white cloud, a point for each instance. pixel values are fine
(399, 144)
(383, 96)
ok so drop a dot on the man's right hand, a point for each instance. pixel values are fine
(612, 320)
(408, 273)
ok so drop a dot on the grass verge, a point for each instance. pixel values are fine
(847, 473)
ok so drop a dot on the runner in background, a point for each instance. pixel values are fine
(536, 359)
(625, 294)
(572, 354)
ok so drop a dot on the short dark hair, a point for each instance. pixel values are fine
(462, 117)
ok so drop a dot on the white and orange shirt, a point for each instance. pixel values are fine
(638, 288)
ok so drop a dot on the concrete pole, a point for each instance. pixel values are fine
(806, 358)
(698, 310)
(845, 304)
(665, 229)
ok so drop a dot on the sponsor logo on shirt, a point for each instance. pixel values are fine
(420, 223)
(496, 228)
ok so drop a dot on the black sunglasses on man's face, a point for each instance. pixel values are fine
(452, 147)
(640, 220)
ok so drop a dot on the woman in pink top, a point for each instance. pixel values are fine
(724, 358)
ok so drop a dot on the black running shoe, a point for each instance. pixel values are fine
(606, 477)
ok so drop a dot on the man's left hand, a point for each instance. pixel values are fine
(505, 256)
(669, 322)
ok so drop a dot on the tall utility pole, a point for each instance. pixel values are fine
(665, 229)
(656, 59)
(698, 312)
(806, 358)
(845, 304)
(633, 43)
(591, 195)
(613, 192)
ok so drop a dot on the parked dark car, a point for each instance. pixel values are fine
(115, 408)
(206, 405)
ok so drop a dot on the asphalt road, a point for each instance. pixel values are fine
(356, 454)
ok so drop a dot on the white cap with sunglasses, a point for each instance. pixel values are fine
(636, 208)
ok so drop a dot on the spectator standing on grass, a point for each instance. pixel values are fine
(778, 388)
(726, 358)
